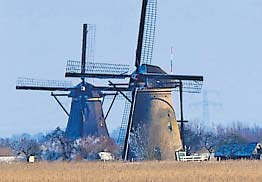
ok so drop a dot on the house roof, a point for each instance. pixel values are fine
(236, 150)
(6, 151)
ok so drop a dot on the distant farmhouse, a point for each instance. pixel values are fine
(6, 154)
(238, 151)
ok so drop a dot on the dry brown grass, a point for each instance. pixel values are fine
(127, 172)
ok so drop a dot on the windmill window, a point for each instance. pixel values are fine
(169, 126)
(83, 88)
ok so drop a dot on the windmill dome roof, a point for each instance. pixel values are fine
(146, 68)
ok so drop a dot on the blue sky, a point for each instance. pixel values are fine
(218, 39)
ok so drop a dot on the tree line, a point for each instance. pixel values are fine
(197, 137)
(56, 146)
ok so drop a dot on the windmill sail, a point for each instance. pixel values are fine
(91, 39)
(97, 70)
(124, 123)
(189, 83)
(91, 67)
(149, 32)
(146, 33)
(47, 85)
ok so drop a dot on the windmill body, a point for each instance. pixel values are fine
(86, 117)
(155, 127)
(86, 114)
(155, 130)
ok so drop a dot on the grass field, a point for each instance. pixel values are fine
(127, 172)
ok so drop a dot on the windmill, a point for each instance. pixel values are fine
(149, 128)
(86, 117)
(152, 128)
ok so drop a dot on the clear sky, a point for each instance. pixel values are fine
(219, 39)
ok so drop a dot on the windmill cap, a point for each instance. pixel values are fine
(146, 68)
(85, 89)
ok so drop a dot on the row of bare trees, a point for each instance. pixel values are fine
(198, 138)
(56, 146)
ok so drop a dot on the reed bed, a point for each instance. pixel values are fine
(132, 172)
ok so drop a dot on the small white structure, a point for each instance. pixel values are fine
(106, 156)
(31, 159)
(7, 159)
(181, 156)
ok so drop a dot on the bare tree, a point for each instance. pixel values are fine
(27, 146)
(91, 146)
(139, 143)
(57, 142)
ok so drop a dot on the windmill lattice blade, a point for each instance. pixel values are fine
(124, 123)
(171, 77)
(105, 89)
(118, 97)
(190, 86)
(91, 39)
(105, 68)
(149, 32)
(38, 84)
